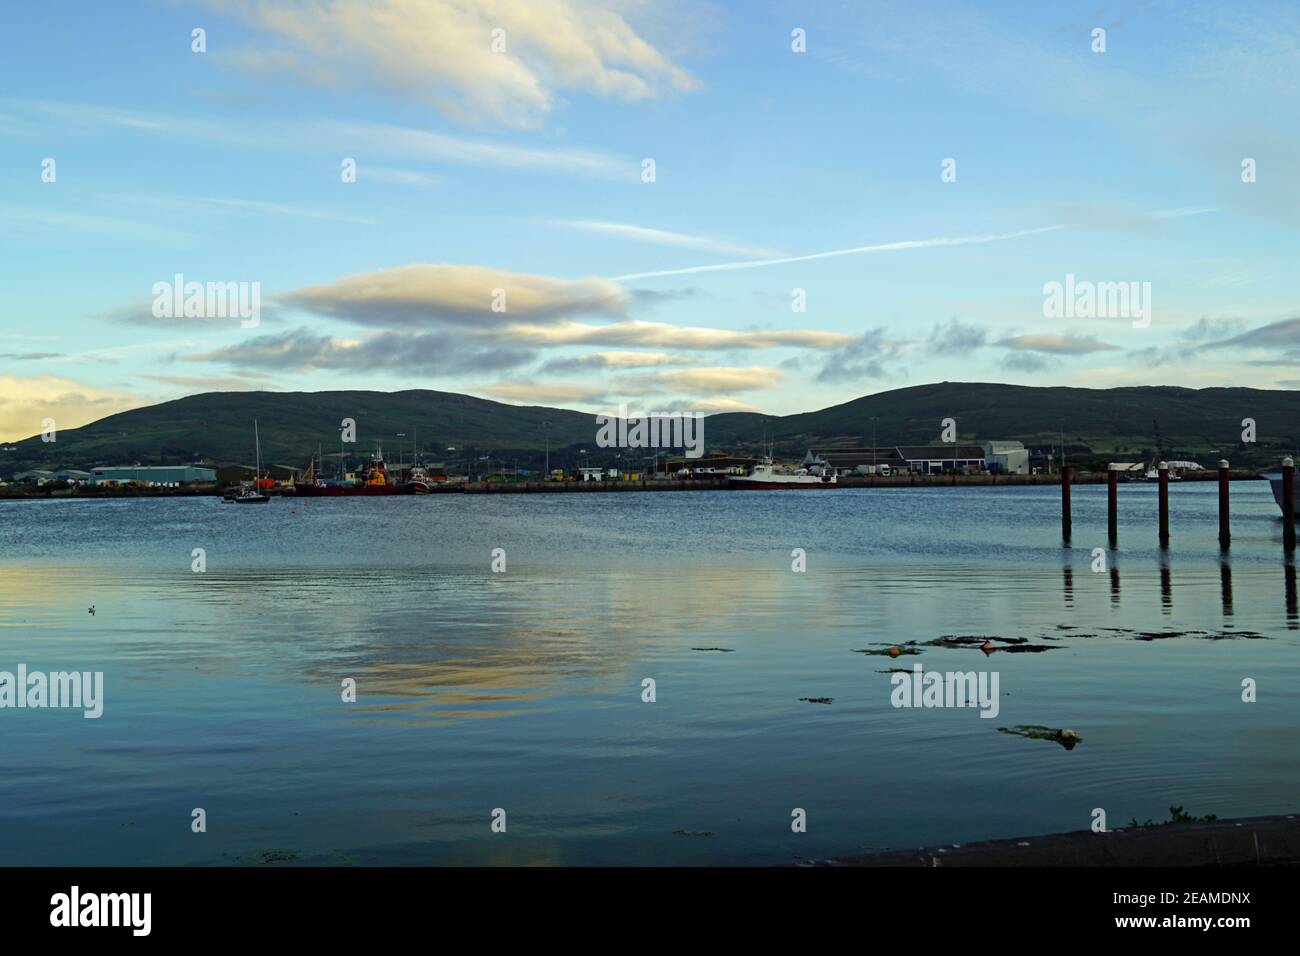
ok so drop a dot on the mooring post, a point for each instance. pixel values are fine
(1288, 503)
(1065, 503)
(1112, 503)
(1163, 469)
(1225, 533)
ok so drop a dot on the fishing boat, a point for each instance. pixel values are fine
(253, 495)
(765, 476)
(417, 483)
(374, 481)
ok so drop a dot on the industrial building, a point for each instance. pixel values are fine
(1006, 457)
(710, 465)
(914, 459)
(152, 475)
(855, 461)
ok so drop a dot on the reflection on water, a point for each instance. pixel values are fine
(523, 690)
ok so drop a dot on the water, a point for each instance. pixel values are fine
(522, 690)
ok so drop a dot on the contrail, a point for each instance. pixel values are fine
(882, 247)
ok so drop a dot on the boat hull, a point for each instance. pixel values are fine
(1276, 482)
(743, 484)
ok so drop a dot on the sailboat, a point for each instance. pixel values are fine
(253, 495)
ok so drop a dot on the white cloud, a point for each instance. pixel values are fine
(703, 380)
(424, 294)
(440, 52)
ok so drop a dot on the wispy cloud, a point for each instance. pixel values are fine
(663, 237)
(1053, 343)
(662, 335)
(856, 250)
(716, 379)
(386, 139)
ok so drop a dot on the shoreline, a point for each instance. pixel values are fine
(1244, 841)
(650, 485)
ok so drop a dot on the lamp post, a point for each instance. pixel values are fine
(874, 467)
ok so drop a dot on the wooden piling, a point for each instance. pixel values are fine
(1065, 503)
(1288, 503)
(1163, 470)
(1112, 503)
(1225, 533)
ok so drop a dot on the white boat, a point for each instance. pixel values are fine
(765, 476)
(1276, 482)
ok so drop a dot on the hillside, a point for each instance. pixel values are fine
(1104, 420)
(217, 426)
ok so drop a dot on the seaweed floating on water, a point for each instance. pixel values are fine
(1066, 738)
(1011, 645)
(695, 833)
(1176, 816)
(267, 857)
(818, 700)
(951, 640)
(886, 652)
(723, 650)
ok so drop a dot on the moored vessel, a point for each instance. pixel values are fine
(1276, 482)
(766, 477)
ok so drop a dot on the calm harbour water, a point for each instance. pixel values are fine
(522, 690)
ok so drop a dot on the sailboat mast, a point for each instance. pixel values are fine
(257, 451)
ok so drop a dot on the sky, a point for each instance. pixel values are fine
(673, 205)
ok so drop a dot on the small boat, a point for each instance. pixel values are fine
(766, 477)
(253, 495)
(1276, 482)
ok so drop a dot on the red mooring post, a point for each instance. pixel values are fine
(1065, 502)
(1225, 533)
(1288, 503)
(1112, 503)
(1163, 469)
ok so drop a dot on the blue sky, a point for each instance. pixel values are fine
(521, 170)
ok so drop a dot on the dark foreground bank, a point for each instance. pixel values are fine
(1250, 841)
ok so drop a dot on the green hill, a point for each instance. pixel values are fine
(1114, 420)
(217, 426)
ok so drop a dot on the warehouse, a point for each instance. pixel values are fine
(855, 461)
(938, 459)
(152, 475)
(1006, 457)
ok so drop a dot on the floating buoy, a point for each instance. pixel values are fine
(895, 651)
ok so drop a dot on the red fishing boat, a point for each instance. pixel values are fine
(374, 481)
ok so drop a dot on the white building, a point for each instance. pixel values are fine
(1006, 457)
